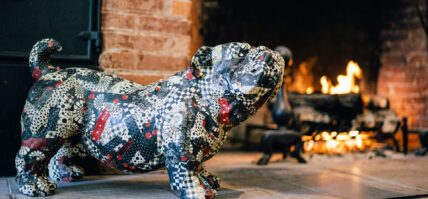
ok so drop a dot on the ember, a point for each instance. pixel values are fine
(336, 143)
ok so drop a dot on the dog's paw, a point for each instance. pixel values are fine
(211, 181)
(210, 193)
(36, 186)
(67, 173)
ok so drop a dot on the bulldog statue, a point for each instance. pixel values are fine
(177, 123)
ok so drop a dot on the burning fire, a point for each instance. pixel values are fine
(333, 142)
(346, 83)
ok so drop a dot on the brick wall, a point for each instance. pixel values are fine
(403, 76)
(146, 40)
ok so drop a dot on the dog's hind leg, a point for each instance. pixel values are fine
(62, 166)
(31, 165)
(45, 130)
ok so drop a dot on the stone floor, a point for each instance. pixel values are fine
(348, 176)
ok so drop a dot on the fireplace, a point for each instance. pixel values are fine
(386, 39)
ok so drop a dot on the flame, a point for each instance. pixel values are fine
(346, 83)
(326, 84)
(302, 77)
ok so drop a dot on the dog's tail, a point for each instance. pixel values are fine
(40, 57)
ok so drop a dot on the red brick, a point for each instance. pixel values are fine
(182, 8)
(138, 6)
(388, 60)
(164, 24)
(141, 78)
(163, 44)
(160, 62)
(112, 40)
(122, 21)
(406, 89)
(123, 60)
(155, 43)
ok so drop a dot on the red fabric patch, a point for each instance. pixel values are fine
(224, 111)
(211, 136)
(99, 126)
(37, 73)
(190, 76)
(132, 167)
(124, 164)
(208, 194)
(125, 147)
(48, 88)
(157, 88)
(148, 135)
(109, 156)
(184, 159)
(91, 96)
(206, 151)
(148, 124)
(204, 122)
(212, 182)
(155, 132)
(116, 100)
(261, 58)
(61, 161)
(35, 143)
(58, 84)
(125, 97)
(50, 44)
(65, 179)
(119, 157)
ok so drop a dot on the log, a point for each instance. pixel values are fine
(338, 105)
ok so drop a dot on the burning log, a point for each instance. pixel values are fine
(325, 108)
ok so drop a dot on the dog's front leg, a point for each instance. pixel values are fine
(183, 171)
(208, 179)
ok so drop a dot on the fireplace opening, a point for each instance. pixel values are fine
(335, 42)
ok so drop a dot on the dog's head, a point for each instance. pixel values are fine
(239, 77)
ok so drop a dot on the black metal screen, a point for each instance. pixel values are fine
(75, 24)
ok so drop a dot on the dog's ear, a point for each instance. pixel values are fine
(201, 61)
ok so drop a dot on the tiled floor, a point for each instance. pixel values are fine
(349, 176)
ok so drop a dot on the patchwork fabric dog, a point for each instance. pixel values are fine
(178, 123)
